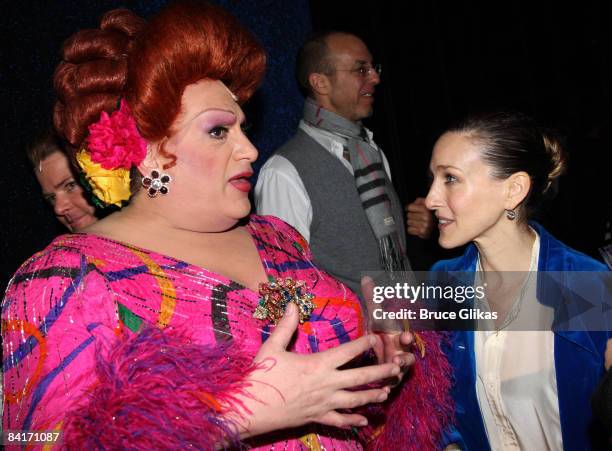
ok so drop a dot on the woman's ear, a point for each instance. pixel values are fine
(518, 185)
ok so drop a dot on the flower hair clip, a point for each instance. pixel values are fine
(114, 141)
(109, 187)
(114, 145)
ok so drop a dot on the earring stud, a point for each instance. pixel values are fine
(156, 183)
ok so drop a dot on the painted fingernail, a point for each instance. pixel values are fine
(396, 370)
(382, 397)
(363, 422)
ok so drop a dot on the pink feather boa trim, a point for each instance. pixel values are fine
(159, 390)
(421, 409)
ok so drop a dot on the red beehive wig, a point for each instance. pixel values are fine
(150, 64)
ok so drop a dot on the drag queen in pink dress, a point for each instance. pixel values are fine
(172, 323)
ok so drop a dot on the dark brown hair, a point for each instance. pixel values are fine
(42, 146)
(512, 142)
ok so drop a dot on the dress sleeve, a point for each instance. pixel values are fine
(73, 362)
(56, 310)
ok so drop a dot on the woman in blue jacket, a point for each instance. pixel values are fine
(527, 389)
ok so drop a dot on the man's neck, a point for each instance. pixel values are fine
(323, 103)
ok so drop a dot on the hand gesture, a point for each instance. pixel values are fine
(392, 344)
(292, 389)
(419, 220)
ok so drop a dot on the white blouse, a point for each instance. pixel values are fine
(516, 382)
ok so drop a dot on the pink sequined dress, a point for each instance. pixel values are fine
(148, 351)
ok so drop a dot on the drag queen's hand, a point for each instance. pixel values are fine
(294, 389)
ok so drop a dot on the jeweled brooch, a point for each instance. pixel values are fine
(275, 296)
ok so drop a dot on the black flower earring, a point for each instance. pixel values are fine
(156, 183)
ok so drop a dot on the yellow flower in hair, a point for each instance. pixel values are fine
(111, 186)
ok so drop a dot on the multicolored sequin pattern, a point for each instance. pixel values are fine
(73, 299)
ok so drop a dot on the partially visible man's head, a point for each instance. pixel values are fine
(313, 57)
(59, 184)
(336, 70)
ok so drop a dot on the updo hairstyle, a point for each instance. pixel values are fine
(149, 65)
(511, 142)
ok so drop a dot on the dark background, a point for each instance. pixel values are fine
(440, 60)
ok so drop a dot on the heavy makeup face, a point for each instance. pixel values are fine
(211, 177)
(468, 202)
(63, 192)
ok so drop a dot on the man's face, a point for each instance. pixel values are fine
(351, 91)
(63, 192)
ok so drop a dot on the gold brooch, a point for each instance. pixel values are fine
(275, 296)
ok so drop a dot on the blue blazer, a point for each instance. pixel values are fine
(579, 356)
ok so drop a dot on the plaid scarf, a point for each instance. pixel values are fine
(370, 181)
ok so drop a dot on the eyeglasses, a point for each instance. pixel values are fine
(364, 70)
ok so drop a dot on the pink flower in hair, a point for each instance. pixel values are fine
(114, 141)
